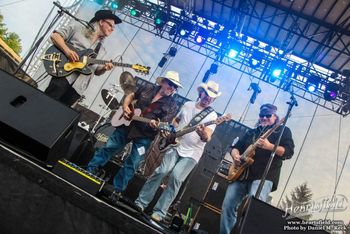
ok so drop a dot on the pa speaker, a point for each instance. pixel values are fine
(262, 218)
(33, 123)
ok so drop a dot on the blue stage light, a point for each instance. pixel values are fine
(277, 72)
(114, 6)
(312, 83)
(331, 91)
(232, 53)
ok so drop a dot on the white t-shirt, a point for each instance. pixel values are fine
(190, 145)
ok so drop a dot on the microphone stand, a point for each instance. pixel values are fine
(293, 102)
(53, 22)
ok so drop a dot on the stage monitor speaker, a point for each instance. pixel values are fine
(33, 123)
(262, 218)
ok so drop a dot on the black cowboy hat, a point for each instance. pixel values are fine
(105, 14)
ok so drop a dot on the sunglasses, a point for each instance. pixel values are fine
(171, 84)
(266, 116)
(110, 24)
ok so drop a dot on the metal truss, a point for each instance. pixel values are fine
(291, 81)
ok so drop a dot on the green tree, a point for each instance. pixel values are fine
(300, 196)
(10, 38)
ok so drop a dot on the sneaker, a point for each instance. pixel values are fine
(156, 217)
(139, 207)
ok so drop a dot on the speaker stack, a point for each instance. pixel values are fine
(33, 123)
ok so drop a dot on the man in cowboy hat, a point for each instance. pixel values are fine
(248, 182)
(156, 104)
(181, 160)
(69, 89)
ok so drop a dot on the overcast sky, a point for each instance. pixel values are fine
(317, 132)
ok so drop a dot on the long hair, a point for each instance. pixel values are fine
(90, 33)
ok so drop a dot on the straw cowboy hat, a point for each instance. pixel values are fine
(211, 88)
(171, 76)
(105, 14)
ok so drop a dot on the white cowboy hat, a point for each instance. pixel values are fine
(171, 76)
(211, 88)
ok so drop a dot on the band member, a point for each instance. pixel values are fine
(248, 183)
(69, 89)
(182, 159)
(156, 103)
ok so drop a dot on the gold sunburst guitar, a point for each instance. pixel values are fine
(236, 170)
(57, 64)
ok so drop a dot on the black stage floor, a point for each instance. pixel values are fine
(35, 200)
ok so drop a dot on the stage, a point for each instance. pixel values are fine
(35, 200)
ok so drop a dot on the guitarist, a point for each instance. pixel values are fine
(156, 103)
(69, 89)
(181, 160)
(248, 183)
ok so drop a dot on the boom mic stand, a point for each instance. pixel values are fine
(293, 102)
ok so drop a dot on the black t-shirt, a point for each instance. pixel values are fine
(261, 157)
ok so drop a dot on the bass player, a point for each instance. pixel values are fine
(248, 182)
(69, 89)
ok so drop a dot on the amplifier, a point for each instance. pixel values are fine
(78, 176)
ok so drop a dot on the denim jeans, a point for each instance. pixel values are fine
(234, 195)
(115, 143)
(180, 167)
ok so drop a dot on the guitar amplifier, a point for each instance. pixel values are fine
(78, 176)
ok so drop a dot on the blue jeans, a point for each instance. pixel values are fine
(181, 168)
(234, 195)
(115, 143)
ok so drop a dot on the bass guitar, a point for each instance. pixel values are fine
(236, 170)
(164, 143)
(57, 64)
(118, 119)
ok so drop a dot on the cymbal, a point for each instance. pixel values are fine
(110, 99)
(127, 82)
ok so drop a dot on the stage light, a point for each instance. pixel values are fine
(101, 2)
(160, 19)
(134, 12)
(214, 68)
(201, 36)
(256, 58)
(232, 53)
(113, 5)
(235, 49)
(276, 70)
(312, 83)
(172, 51)
(185, 29)
(331, 91)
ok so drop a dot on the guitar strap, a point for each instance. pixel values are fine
(200, 116)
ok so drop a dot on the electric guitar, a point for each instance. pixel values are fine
(57, 64)
(236, 170)
(118, 119)
(164, 143)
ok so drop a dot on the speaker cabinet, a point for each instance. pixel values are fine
(33, 123)
(262, 218)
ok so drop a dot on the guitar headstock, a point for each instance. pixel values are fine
(223, 118)
(141, 69)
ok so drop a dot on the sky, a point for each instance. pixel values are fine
(321, 136)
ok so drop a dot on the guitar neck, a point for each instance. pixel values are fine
(141, 119)
(99, 61)
(191, 129)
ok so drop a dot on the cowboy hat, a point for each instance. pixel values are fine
(211, 88)
(171, 76)
(105, 14)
